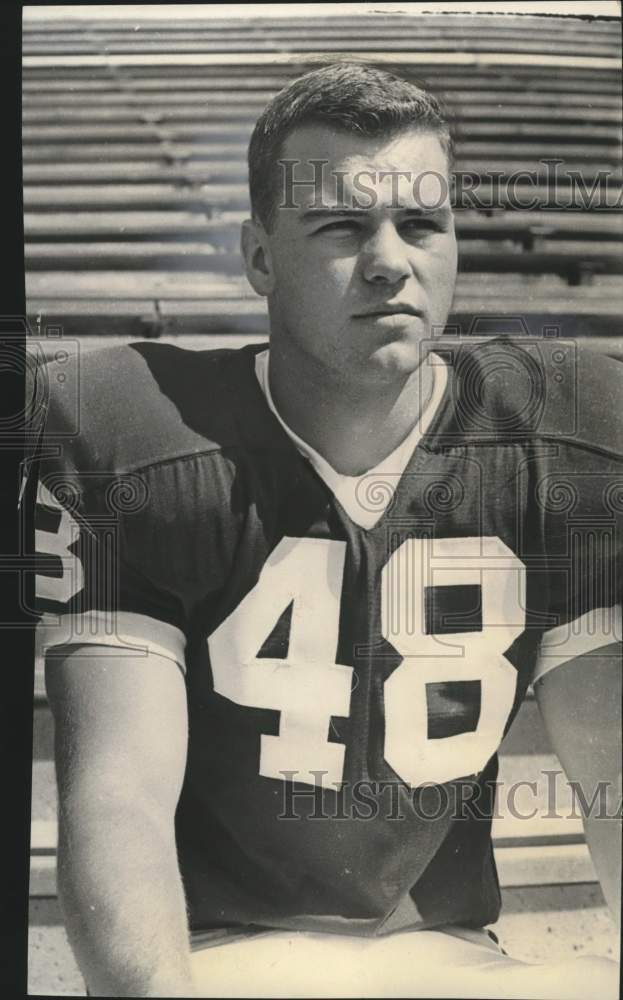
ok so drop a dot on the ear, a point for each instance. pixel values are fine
(257, 257)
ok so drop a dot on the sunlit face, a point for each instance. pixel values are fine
(361, 275)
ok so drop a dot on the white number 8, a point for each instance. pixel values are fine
(462, 656)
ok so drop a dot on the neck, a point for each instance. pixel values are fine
(353, 425)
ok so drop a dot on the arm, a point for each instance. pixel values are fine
(581, 706)
(121, 737)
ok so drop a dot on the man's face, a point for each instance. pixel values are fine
(360, 280)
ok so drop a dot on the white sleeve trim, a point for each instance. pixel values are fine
(598, 627)
(138, 634)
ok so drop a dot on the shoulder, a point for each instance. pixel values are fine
(596, 390)
(126, 407)
(513, 390)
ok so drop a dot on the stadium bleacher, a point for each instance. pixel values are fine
(134, 143)
(134, 146)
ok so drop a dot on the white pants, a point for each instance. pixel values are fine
(437, 963)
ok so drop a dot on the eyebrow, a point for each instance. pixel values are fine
(318, 214)
(331, 213)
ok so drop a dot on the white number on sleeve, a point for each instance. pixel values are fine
(56, 543)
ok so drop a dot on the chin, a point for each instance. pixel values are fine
(400, 357)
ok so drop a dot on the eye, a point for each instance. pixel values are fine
(421, 226)
(340, 226)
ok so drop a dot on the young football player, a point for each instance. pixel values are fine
(294, 596)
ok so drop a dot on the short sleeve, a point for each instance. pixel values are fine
(582, 500)
(582, 636)
(93, 539)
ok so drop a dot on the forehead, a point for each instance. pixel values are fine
(408, 166)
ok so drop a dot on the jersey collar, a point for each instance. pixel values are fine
(348, 489)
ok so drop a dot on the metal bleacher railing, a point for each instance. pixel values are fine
(134, 143)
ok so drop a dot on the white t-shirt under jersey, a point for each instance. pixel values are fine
(349, 490)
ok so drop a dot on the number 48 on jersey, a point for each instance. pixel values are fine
(308, 687)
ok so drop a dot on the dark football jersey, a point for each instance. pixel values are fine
(348, 688)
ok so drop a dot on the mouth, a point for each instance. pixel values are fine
(399, 309)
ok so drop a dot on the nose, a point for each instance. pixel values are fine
(384, 256)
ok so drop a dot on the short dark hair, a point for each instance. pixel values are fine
(349, 96)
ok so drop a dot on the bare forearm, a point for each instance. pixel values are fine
(123, 902)
(581, 706)
(603, 836)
